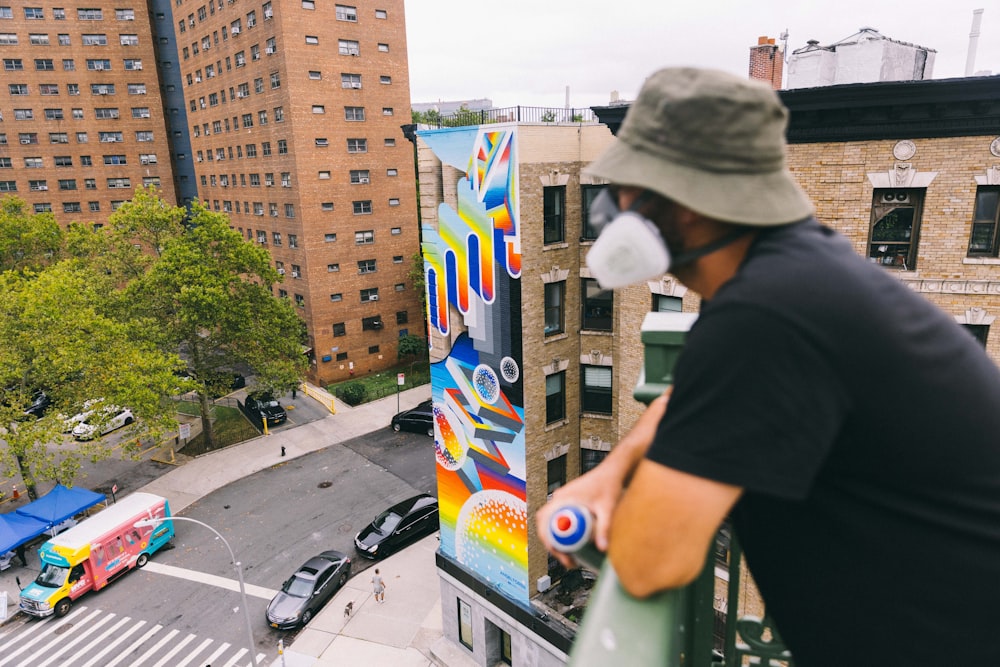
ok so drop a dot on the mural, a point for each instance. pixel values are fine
(472, 263)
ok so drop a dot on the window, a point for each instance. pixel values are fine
(464, 623)
(282, 147)
(44, 207)
(73, 89)
(590, 458)
(348, 47)
(555, 397)
(131, 64)
(385, 79)
(143, 136)
(279, 114)
(387, 111)
(371, 323)
(354, 113)
(13, 65)
(44, 65)
(89, 15)
(94, 40)
(324, 175)
(350, 80)
(300, 301)
(663, 303)
(77, 114)
(125, 14)
(129, 40)
(555, 297)
(6, 13)
(64, 40)
(587, 195)
(556, 473)
(28, 137)
(293, 239)
(339, 329)
(393, 201)
(296, 271)
(119, 183)
(366, 266)
(8, 38)
(384, 48)
(359, 176)
(110, 137)
(115, 159)
(18, 88)
(102, 89)
(8, 186)
(381, 14)
(983, 241)
(38, 186)
(391, 172)
(598, 306)
(895, 228)
(346, 13)
(67, 184)
(553, 204)
(71, 207)
(312, 39)
(366, 237)
(336, 297)
(595, 393)
(318, 108)
(54, 114)
(61, 161)
(141, 112)
(370, 294)
(396, 231)
(389, 142)
(136, 89)
(332, 268)
(105, 113)
(978, 331)
(86, 161)
(357, 145)
(362, 207)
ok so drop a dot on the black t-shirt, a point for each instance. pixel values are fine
(864, 425)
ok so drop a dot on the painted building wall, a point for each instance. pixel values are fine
(472, 260)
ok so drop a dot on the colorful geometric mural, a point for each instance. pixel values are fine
(472, 264)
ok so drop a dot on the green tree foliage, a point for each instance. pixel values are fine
(209, 292)
(353, 393)
(27, 241)
(60, 335)
(412, 345)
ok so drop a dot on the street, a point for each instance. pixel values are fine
(185, 608)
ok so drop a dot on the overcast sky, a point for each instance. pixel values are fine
(528, 51)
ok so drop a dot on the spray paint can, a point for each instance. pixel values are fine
(571, 531)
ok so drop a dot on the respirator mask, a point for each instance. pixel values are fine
(631, 249)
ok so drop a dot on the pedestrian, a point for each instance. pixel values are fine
(378, 584)
(19, 552)
(844, 423)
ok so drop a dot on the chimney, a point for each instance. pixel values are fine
(767, 62)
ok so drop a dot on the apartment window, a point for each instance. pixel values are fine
(63, 40)
(386, 111)
(13, 65)
(38, 39)
(94, 206)
(315, 75)
(359, 176)
(339, 329)
(367, 266)
(119, 183)
(354, 113)
(94, 40)
(142, 112)
(147, 158)
(329, 237)
(252, 153)
(598, 306)
(143, 136)
(300, 301)
(8, 39)
(279, 114)
(89, 15)
(385, 79)
(296, 271)
(77, 114)
(664, 303)
(347, 13)
(556, 473)
(38, 186)
(44, 207)
(389, 142)
(262, 117)
(86, 161)
(464, 619)
(384, 48)
(357, 145)
(105, 113)
(18, 88)
(333, 268)
(54, 114)
(555, 298)
(115, 159)
(312, 40)
(247, 120)
(73, 89)
(258, 208)
(61, 161)
(326, 206)
(370, 294)
(110, 137)
(129, 40)
(555, 397)
(590, 458)
(588, 193)
(282, 147)
(350, 80)
(895, 228)
(978, 331)
(371, 323)
(336, 297)
(28, 138)
(131, 64)
(67, 184)
(381, 14)
(984, 238)
(553, 205)
(362, 207)
(33, 163)
(366, 237)
(6, 13)
(136, 89)
(595, 393)
(102, 89)
(125, 14)
(391, 172)
(44, 65)
(90, 183)
(290, 213)
(324, 175)
(348, 47)
(8, 186)
(396, 231)
(71, 207)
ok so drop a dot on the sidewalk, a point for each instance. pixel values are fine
(400, 632)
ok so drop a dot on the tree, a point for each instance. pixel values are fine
(61, 335)
(412, 345)
(27, 241)
(209, 293)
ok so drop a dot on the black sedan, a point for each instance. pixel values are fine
(397, 526)
(419, 419)
(306, 591)
(266, 406)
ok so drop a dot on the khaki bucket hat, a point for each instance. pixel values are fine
(712, 142)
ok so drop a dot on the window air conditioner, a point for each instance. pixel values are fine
(269, 50)
(236, 31)
(42, 187)
(99, 67)
(25, 141)
(373, 297)
(281, 272)
(268, 14)
(295, 274)
(241, 95)
(356, 84)
(197, 79)
(362, 180)
(137, 66)
(192, 23)
(251, 24)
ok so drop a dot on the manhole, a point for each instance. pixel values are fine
(325, 485)
(65, 627)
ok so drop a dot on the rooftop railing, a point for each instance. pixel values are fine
(518, 114)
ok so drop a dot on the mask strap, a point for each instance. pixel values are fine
(691, 255)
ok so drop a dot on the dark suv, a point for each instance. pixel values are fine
(419, 419)
(265, 406)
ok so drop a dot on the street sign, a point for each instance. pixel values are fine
(400, 379)
(114, 488)
(184, 431)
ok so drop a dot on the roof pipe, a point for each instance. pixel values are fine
(970, 61)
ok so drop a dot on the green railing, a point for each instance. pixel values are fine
(677, 628)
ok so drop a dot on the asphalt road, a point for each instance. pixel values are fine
(274, 521)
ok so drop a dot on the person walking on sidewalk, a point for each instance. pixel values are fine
(379, 586)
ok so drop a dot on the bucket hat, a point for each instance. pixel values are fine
(712, 142)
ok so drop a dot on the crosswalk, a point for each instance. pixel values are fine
(95, 638)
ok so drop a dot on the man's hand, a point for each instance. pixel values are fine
(600, 489)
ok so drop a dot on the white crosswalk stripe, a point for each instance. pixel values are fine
(95, 638)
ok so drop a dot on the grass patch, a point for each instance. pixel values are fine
(229, 426)
(380, 385)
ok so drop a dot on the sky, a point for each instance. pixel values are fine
(527, 52)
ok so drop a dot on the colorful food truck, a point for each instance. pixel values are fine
(95, 552)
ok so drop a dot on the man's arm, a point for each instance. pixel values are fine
(663, 526)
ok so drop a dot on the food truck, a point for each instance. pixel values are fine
(95, 552)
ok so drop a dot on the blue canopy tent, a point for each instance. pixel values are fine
(16, 529)
(59, 504)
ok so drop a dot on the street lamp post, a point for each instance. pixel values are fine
(236, 565)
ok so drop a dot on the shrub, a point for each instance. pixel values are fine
(353, 393)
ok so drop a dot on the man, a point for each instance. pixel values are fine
(378, 586)
(848, 427)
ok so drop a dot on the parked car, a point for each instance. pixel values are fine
(40, 402)
(105, 420)
(398, 526)
(306, 591)
(264, 405)
(87, 409)
(419, 419)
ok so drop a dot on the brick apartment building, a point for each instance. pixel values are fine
(283, 115)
